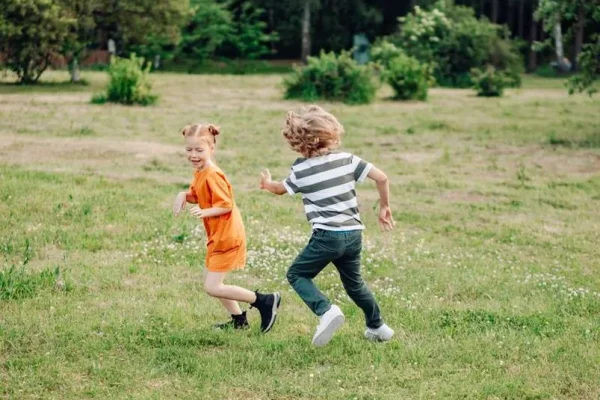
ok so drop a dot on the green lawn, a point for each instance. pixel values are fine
(491, 278)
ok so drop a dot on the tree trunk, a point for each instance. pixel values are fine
(272, 27)
(511, 15)
(495, 11)
(579, 34)
(558, 44)
(481, 9)
(532, 64)
(306, 32)
(562, 64)
(521, 18)
(41, 71)
(413, 3)
(75, 74)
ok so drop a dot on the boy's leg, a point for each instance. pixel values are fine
(304, 269)
(349, 268)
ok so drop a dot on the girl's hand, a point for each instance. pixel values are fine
(386, 222)
(197, 212)
(179, 203)
(265, 179)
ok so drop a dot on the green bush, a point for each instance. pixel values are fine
(489, 82)
(128, 83)
(504, 55)
(383, 52)
(454, 41)
(332, 77)
(99, 98)
(407, 77)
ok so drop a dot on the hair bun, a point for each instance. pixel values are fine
(185, 129)
(214, 130)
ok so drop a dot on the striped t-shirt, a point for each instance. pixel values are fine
(327, 184)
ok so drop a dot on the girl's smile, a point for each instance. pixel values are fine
(199, 151)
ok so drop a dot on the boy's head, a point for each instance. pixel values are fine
(312, 131)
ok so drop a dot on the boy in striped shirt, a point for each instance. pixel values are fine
(326, 179)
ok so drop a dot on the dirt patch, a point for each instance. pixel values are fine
(582, 163)
(66, 145)
(53, 254)
(419, 157)
(553, 228)
(33, 99)
(465, 197)
(549, 161)
(112, 159)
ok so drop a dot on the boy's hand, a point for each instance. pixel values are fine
(265, 179)
(179, 203)
(386, 222)
(197, 212)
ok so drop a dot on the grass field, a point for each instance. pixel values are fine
(491, 278)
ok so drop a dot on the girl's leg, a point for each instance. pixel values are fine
(229, 295)
(231, 306)
(213, 285)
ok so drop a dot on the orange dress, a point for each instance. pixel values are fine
(226, 237)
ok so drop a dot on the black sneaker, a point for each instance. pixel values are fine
(267, 305)
(236, 322)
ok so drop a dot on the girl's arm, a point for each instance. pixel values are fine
(182, 199)
(209, 212)
(272, 186)
(190, 197)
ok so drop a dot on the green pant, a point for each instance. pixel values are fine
(343, 250)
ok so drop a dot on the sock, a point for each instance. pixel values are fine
(260, 298)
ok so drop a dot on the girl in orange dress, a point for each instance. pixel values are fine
(226, 238)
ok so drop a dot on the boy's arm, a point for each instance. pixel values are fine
(386, 222)
(267, 184)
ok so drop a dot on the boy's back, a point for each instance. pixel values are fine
(327, 184)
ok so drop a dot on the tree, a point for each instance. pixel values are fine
(305, 26)
(210, 26)
(453, 42)
(136, 25)
(250, 38)
(82, 31)
(31, 32)
(337, 22)
(553, 13)
(306, 32)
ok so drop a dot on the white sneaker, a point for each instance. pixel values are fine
(381, 334)
(331, 321)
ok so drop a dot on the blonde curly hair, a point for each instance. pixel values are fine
(312, 131)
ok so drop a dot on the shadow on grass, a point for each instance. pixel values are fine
(44, 87)
(591, 141)
(228, 67)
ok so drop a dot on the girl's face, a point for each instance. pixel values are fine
(198, 151)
